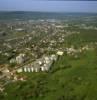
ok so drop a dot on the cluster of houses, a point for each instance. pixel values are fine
(19, 59)
(84, 26)
(71, 51)
(42, 64)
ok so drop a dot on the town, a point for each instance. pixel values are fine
(35, 46)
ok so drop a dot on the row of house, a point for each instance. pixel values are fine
(42, 64)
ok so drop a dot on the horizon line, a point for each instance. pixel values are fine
(45, 11)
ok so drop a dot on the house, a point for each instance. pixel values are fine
(20, 70)
(1, 89)
(25, 69)
(20, 59)
(12, 61)
(60, 53)
(37, 69)
(19, 29)
(6, 70)
(46, 60)
(53, 57)
(29, 69)
(42, 68)
(32, 69)
(40, 63)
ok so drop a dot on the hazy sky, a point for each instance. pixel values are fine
(55, 6)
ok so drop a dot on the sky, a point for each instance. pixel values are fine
(50, 6)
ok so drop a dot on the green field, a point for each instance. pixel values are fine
(70, 79)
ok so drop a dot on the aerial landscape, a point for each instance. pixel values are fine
(48, 55)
